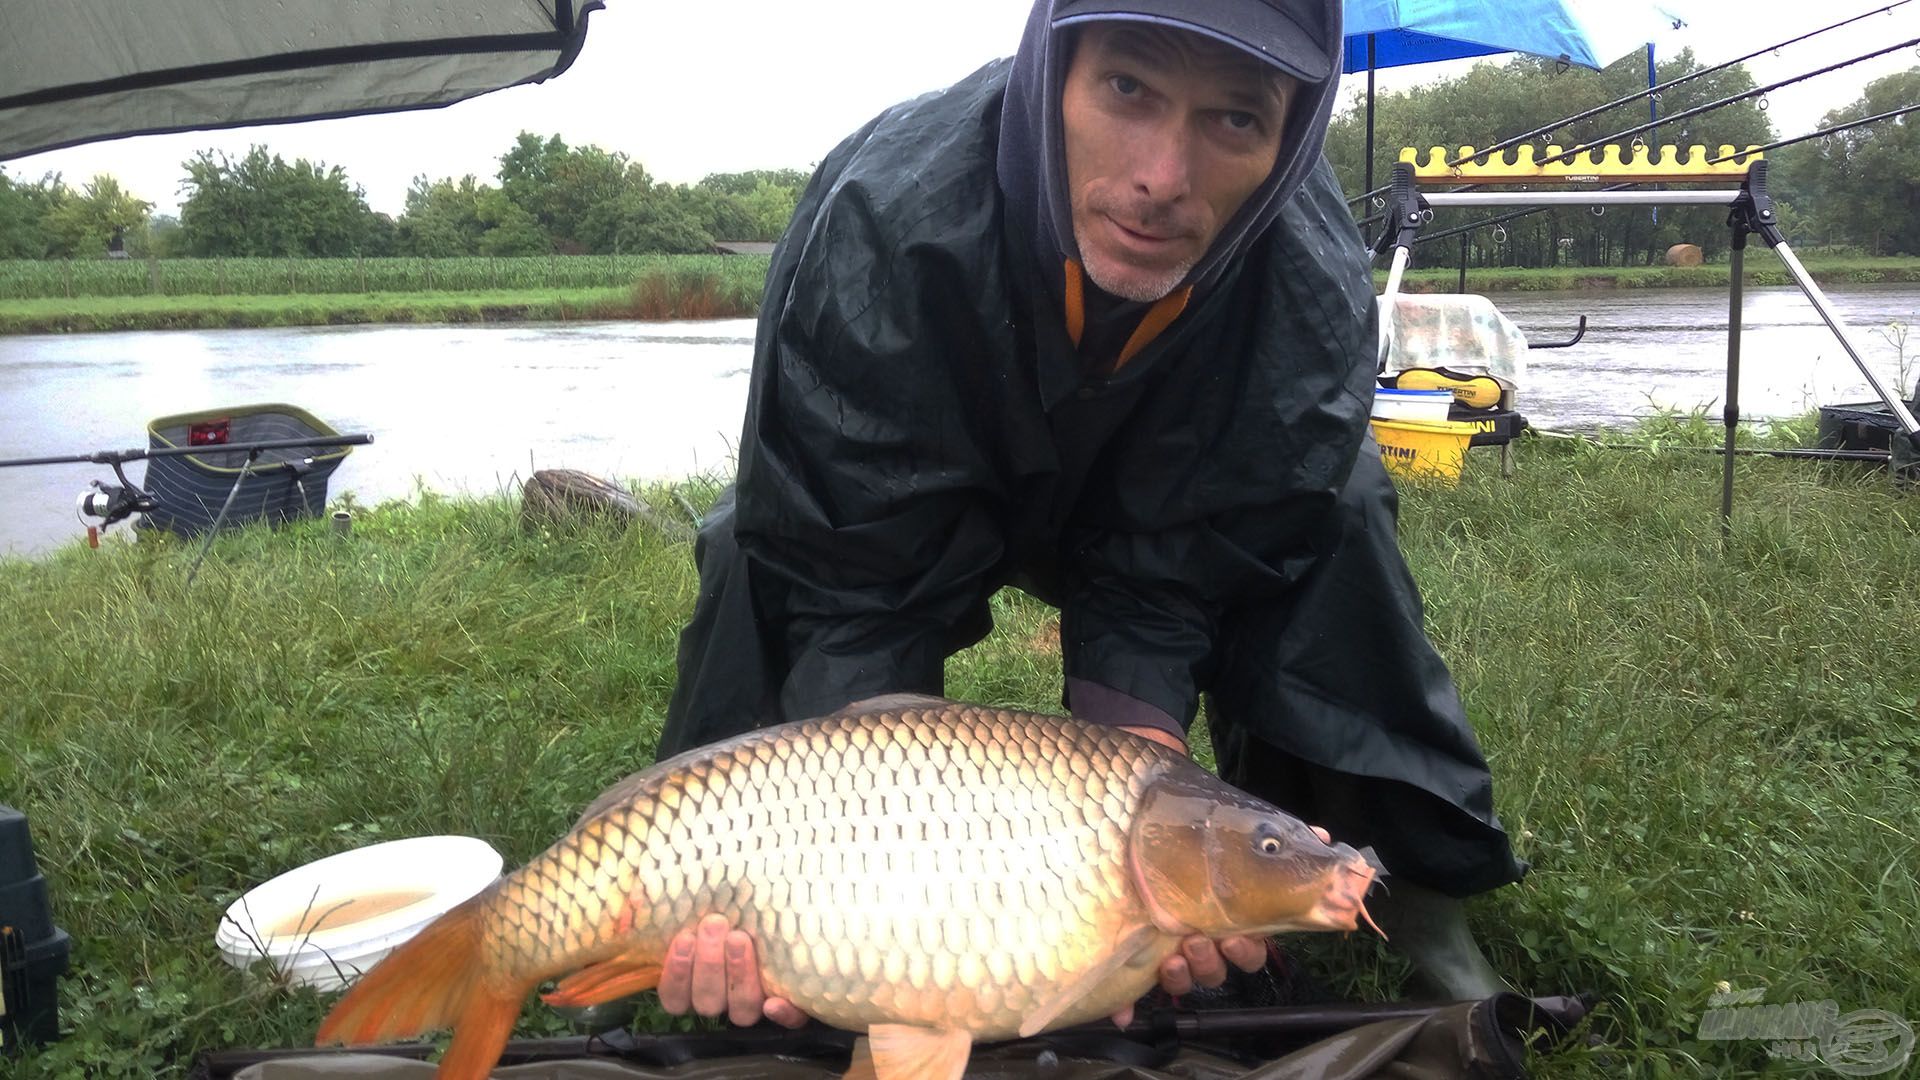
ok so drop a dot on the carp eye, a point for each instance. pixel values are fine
(1268, 845)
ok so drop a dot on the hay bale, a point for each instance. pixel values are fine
(1685, 255)
(567, 497)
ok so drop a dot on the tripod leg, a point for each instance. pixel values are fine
(1737, 257)
(222, 517)
(1832, 319)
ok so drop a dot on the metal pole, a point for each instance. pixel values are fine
(1819, 300)
(1462, 287)
(1732, 412)
(218, 521)
(1653, 114)
(1401, 257)
(1369, 183)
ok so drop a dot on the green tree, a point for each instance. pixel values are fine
(560, 186)
(745, 183)
(510, 230)
(261, 205)
(757, 204)
(23, 212)
(661, 219)
(80, 225)
(442, 218)
(770, 206)
(164, 238)
(721, 216)
(1862, 186)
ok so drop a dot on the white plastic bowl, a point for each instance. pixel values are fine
(399, 887)
(1420, 406)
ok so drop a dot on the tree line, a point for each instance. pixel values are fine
(547, 198)
(1855, 191)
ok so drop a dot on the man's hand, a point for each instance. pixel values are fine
(715, 970)
(1202, 961)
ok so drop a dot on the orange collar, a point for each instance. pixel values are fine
(1158, 317)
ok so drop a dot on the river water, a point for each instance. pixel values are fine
(472, 409)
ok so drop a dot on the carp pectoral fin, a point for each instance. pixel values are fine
(606, 981)
(1051, 1009)
(906, 1052)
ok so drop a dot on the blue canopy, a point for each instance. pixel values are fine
(1591, 33)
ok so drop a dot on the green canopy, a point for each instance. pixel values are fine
(76, 73)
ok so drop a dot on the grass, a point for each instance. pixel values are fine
(1710, 754)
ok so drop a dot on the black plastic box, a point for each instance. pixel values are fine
(30, 988)
(33, 951)
(1870, 425)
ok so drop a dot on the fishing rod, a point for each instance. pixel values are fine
(1757, 91)
(112, 503)
(119, 457)
(1637, 95)
(1817, 134)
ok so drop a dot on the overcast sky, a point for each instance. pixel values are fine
(689, 89)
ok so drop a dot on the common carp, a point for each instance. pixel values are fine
(926, 872)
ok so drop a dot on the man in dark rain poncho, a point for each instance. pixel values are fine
(1095, 322)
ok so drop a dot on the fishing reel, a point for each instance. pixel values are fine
(103, 505)
(111, 503)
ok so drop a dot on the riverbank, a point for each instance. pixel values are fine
(703, 287)
(657, 289)
(1705, 752)
(1762, 269)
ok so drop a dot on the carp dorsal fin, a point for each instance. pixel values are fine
(906, 1052)
(622, 792)
(894, 702)
(1124, 950)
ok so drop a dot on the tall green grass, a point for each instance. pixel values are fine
(1709, 752)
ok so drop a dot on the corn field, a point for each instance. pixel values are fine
(26, 279)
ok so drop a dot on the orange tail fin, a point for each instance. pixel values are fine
(435, 980)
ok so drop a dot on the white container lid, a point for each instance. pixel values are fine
(405, 884)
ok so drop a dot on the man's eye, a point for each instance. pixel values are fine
(1124, 85)
(1242, 121)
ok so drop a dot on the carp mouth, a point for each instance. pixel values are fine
(1343, 905)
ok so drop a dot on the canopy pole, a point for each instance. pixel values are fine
(1368, 186)
(1653, 111)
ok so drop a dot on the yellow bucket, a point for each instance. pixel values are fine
(1417, 450)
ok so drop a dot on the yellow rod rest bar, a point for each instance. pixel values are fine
(1521, 164)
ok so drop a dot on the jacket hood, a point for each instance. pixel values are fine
(1032, 157)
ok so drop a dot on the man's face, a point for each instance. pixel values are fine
(1167, 133)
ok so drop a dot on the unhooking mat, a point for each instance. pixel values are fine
(1484, 1040)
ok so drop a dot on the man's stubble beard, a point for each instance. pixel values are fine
(1131, 287)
